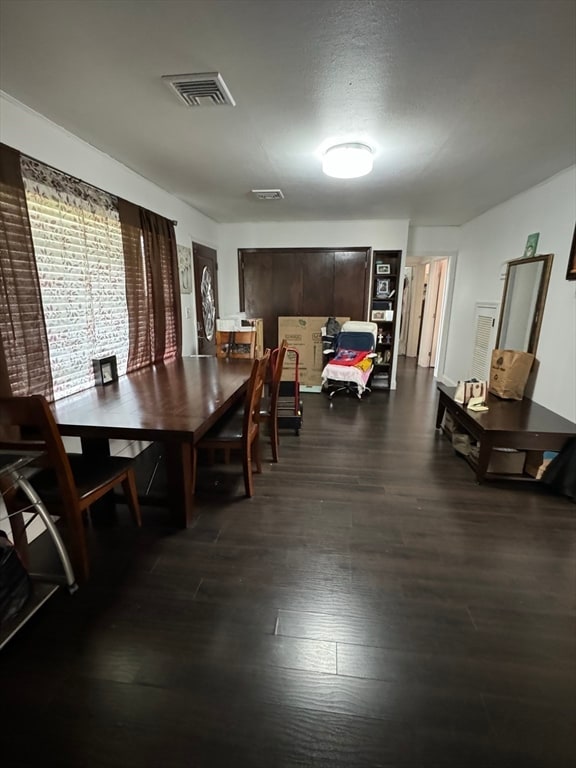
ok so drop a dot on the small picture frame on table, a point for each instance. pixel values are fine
(377, 314)
(105, 370)
(382, 269)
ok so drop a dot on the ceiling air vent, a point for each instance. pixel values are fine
(268, 194)
(201, 90)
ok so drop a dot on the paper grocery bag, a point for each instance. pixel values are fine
(509, 373)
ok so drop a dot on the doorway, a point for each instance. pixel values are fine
(424, 298)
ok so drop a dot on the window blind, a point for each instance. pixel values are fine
(79, 256)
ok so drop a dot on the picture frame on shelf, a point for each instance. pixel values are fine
(382, 288)
(376, 315)
(382, 269)
(105, 370)
(531, 245)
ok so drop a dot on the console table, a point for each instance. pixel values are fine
(519, 424)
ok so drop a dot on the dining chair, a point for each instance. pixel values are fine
(67, 483)
(269, 405)
(240, 429)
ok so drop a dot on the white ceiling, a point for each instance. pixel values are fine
(466, 102)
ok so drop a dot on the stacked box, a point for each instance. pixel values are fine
(305, 335)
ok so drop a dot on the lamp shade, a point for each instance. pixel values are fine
(347, 161)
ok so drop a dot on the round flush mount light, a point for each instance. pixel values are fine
(347, 161)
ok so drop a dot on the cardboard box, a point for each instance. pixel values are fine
(305, 335)
(462, 443)
(506, 461)
(448, 424)
(503, 461)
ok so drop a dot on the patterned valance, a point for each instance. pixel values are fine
(61, 187)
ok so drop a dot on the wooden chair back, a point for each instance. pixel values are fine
(254, 393)
(271, 412)
(240, 430)
(35, 429)
(28, 424)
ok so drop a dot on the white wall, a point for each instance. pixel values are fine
(35, 135)
(377, 234)
(430, 242)
(497, 236)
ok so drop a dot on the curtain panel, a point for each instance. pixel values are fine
(162, 256)
(138, 278)
(152, 286)
(24, 351)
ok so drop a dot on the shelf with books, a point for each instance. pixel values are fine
(383, 306)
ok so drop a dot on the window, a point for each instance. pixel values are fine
(79, 255)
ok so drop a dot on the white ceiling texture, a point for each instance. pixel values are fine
(465, 102)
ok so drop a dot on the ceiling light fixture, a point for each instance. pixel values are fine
(347, 161)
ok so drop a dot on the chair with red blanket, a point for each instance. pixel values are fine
(351, 360)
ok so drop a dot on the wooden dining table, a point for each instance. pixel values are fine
(173, 403)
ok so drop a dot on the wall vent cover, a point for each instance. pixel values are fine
(268, 194)
(205, 89)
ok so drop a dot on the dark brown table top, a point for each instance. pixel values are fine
(178, 400)
(515, 415)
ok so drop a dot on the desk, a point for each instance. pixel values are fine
(174, 403)
(520, 424)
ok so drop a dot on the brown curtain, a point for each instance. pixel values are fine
(140, 316)
(24, 352)
(152, 286)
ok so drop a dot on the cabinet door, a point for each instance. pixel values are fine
(313, 282)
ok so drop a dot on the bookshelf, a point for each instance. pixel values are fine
(386, 286)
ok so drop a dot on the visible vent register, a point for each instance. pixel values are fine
(205, 89)
(268, 194)
(485, 328)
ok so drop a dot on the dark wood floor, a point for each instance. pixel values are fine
(371, 606)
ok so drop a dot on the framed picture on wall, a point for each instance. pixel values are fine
(571, 271)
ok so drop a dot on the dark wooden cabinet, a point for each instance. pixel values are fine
(386, 285)
(295, 282)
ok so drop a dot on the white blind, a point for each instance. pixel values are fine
(78, 246)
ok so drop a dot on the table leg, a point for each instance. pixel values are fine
(103, 510)
(180, 477)
(440, 412)
(483, 459)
